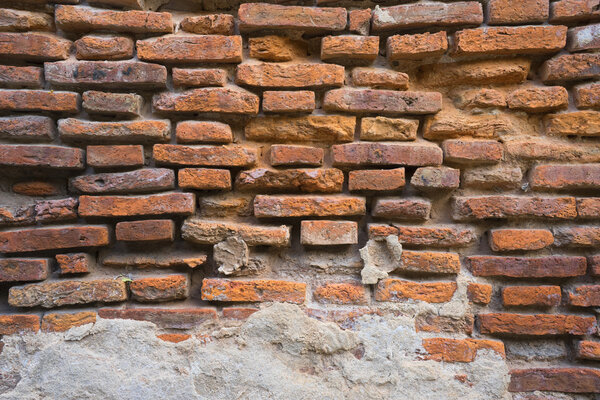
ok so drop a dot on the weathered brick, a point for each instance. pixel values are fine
(585, 296)
(588, 350)
(74, 263)
(312, 128)
(486, 207)
(158, 258)
(167, 318)
(500, 176)
(429, 262)
(20, 77)
(428, 179)
(528, 267)
(569, 380)
(510, 40)
(23, 21)
(147, 230)
(430, 322)
(41, 156)
(167, 288)
(39, 100)
(234, 205)
(204, 179)
(18, 323)
(210, 156)
(119, 104)
(573, 11)
(41, 211)
(379, 78)
(308, 206)
(276, 48)
(142, 131)
(450, 124)
(359, 21)
(409, 154)
(36, 239)
(476, 72)
(475, 99)
(577, 123)
(199, 77)
(432, 236)
(207, 100)
(472, 151)
(138, 181)
(106, 74)
(212, 24)
(288, 101)
(96, 47)
(383, 128)
(130, 206)
(402, 208)
(34, 46)
(122, 4)
(552, 150)
(538, 296)
(174, 337)
(542, 99)
(324, 180)
(570, 67)
(416, 47)
(423, 15)
(536, 325)
(584, 38)
(63, 293)
(61, 322)
(256, 16)
(400, 290)
(376, 180)
(87, 19)
(328, 233)
(341, 293)
(459, 350)
(24, 269)
(203, 132)
(252, 291)
(203, 231)
(37, 188)
(382, 101)
(507, 12)
(587, 96)
(115, 156)
(520, 239)
(479, 293)
(191, 49)
(588, 207)
(290, 76)
(27, 129)
(290, 155)
(582, 176)
(349, 47)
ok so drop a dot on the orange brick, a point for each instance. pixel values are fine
(239, 313)
(472, 151)
(399, 290)
(39, 100)
(349, 47)
(379, 78)
(86, 19)
(174, 337)
(536, 325)
(207, 100)
(203, 132)
(359, 21)
(204, 179)
(479, 293)
(114, 156)
(588, 350)
(321, 180)
(60, 322)
(226, 290)
(307, 206)
(121, 206)
(528, 267)
(276, 48)
(520, 239)
(34, 46)
(74, 263)
(24, 269)
(66, 237)
(459, 350)
(20, 77)
(144, 231)
(507, 12)
(183, 77)
(172, 287)
(295, 155)
(212, 24)
(93, 47)
(256, 16)
(585, 296)
(540, 296)
(191, 49)
(288, 101)
(341, 293)
(37, 188)
(376, 180)
(485, 207)
(290, 76)
(539, 100)
(416, 47)
(433, 236)
(18, 323)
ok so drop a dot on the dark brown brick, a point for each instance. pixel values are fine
(528, 267)
(24, 269)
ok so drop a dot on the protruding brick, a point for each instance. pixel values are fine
(290, 76)
(528, 267)
(199, 77)
(115, 156)
(476, 72)
(537, 296)
(191, 49)
(382, 101)
(585, 296)
(63, 293)
(472, 151)
(204, 179)
(138, 181)
(256, 16)
(96, 47)
(349, 47)
(167, 318)
(379, 78)
(34, 46)
(507, 12)
(399, 290)
(41, 156)
(203, 132)
(537, 100)
(536, 325)
(18, 323)
(430, 179)
(409, 154)
(479, 293)
(144, 231)
(61, 322)
(21, 77)
(459, 350)
(359, 21)
(288, 101)
(588, 350)
(573, 11)
(142, 131)
(308, 206)
(24, 269)
(322, 180)
(27, 129)
(36, 239)
(86, 19)
(328, 233)
(569, 380)
(207, 100)
(74, 263)
(39, 100)
(577, 123)
(584, 38)
(433, 236)
(23, 21)
(167, 288)
(520, 239)
(119, 104)
(422, 15)
(588, 207)
(376, 180)
(571, 67)
(402, 208)
(341, 293)
(486, 207)
(291, 155)
(312, 128)
(587, 96)
(383, 128)
(130, 206)
(276, 48)
(252, 291)
(212, 24)
(210, 156)
(202, 231)
(416, 47)
(429, 262)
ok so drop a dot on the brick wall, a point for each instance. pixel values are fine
(178, 166)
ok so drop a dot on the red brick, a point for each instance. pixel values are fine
(105, 75)
(311, 128)
(507, 12)
(27, 128)
(487, 207)
(416, 47)
(588, 350)
(202, 231)
(240, 313)
(137, 206)
(19, 323)
(585, 296)
(34, 46)
(376, 180)
(290, 76)
(20, 77)
(157, 258)
(39, 100)
(472, 151)
(204, 179)
(138, 181)
(23, 21)
(191, 49)
(568, 380)
(308, 206)
(570, 67)
(588, 207)
(277, 48)
(199, 77)
(586, 176)
(587, 96)
(179, 318)
(528, 267)
(429, 322)
(510, 40)
(341, 293)
(167, 288)
(95, 47)
(41, 156)
(174, 337)
(359, 21)
(226, 290)
(402, 208)
(288, 101)
(212, 24)
(433, 236)
(115, 156)
(86, 19)
(207, 100)
(539, 100)
(422, 15)
(322, 180)
(37, 188)
(290, 155)
(36, 239)
(429, 262)
(584, 38)
(479, 293)
(210, 156)
(379, 78)
(482, 72)
(349, 47)
(408, 154)
(459, 350)
(61, 322)
(24, 269)
(203, 132)
(429, 179)
(387, 102)
(520, 239)
(536, 325)
(399, 290)
(148, 230)
(74, 263)
(537, 296)
(328, 233)
(256, 16)
(573, 11)
(457, 124)
(64, 293)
